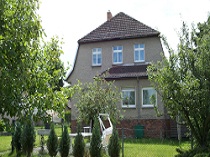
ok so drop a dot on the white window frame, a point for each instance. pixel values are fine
(130, 89)
(139, 49)
(117, 51)
(97, 52)
(148, 105)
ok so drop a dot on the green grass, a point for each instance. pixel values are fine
(5, 142)
(152, 147)
(132, 147)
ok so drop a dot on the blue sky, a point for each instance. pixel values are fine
(71, 20)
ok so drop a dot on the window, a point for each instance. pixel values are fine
(96, 57)
(128, 97)
(117, 54)
(139, 53)
(147, 93)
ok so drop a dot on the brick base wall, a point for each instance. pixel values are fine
(153, 128)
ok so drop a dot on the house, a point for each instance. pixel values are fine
(124, 47)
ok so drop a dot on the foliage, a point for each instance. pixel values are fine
(196, 152)
(114, 144)
(99, 96)
(17, 139)
(183, 81)
(95, 143)
(31, 71)
(64, 143)
(68, 117)
(79, 145)
(52, 142)
(28, 137)
(2, 126)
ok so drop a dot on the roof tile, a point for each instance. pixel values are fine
(120, 26)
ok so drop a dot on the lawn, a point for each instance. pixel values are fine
(132, 147)
(152, 147)
(5, 141)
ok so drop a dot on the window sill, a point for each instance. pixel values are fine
(148, 106)
(129, 106)
(96, 65)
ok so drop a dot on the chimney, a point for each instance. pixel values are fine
(109, 15)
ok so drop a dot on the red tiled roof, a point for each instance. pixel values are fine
(125, 72)
(120, 26)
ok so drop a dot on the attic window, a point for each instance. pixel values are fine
(96, 57)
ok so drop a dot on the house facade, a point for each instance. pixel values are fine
(123, 48)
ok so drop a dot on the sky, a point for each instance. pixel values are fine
(70, 20)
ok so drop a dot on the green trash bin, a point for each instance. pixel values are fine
(139, 131)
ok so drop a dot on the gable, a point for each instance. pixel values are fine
(120, 26)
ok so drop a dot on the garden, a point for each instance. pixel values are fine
(130, 147)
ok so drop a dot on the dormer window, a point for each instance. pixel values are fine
(117, 55)
(96, 57)
(139, 53)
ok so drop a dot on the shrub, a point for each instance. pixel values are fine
(17, 139)
(79, 145)
(114, 144)
(95, 143)
(28, 138)
(196, 152)
(64, 143)
(52, 142)
(2, 126)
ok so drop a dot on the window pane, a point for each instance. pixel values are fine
(136, 46)
(120, 57)
(141, 54)
(141, 45)
(99, 58)
(128, 97)
(136, 55)
(94, 58)
(115, 57)
(147, 94)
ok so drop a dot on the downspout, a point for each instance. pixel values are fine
(138, 98)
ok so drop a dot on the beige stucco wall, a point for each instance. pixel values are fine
(138, 112)
(84, 71)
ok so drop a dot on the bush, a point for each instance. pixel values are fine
(2, 126)
(114, 144)
(52, 142)
(79, 145)
(17, 139)
(28, 137)
(64, 143)
(95, 143)
(196, 152)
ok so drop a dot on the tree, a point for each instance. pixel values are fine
(28, 137)
(52, 142)
(95, 143)
(79, 145)
(31, 71)
(183, 81)
(64, 143)
(99, 96)
(114, 144)
(17, 139)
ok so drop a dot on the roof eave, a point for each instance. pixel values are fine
(121, 38)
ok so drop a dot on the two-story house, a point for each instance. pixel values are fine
(124, 47)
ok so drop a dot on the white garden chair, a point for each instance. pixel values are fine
(106, 132)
